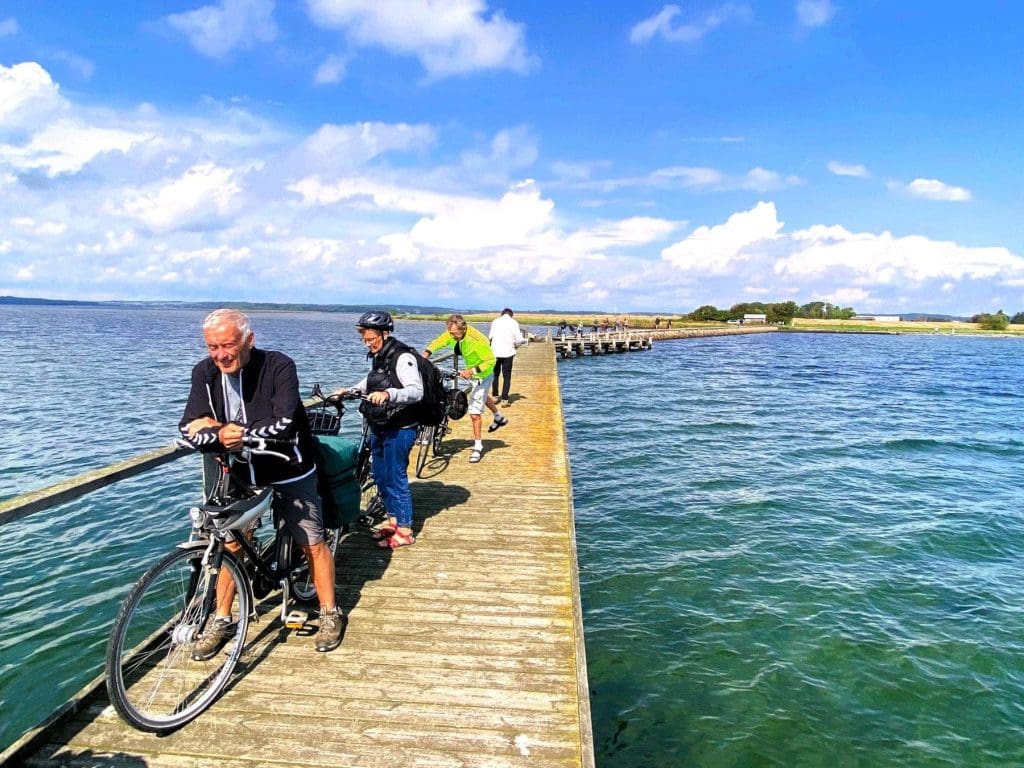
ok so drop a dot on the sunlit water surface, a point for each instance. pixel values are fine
(794, 549)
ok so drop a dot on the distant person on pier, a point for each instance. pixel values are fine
(394, 389)
(505, 336)
(472, 346)
(657, 323)
(240, 390)
(562, 327)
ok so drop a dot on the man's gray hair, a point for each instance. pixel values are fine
(221, 317)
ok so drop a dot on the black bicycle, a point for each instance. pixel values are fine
(430, 437)
(154, 679)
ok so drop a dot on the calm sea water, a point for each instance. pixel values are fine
(794, 549)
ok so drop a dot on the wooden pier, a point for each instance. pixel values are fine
(572, 344)
(463, 650)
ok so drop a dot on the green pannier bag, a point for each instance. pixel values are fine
(336, 477)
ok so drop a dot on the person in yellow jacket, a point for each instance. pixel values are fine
(472, 346)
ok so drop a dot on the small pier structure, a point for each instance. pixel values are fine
(463, 650)
(573, 344)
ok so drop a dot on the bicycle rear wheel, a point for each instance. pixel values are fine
(440, 431)
(153, 681)
(300, 577)
(424, 439)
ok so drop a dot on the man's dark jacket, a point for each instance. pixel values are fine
(272, 408)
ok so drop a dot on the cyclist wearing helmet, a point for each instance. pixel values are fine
(240, 390)
(474, 348)
(394, 388)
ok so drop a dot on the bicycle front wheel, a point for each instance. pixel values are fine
(424, 438)
(153, 680)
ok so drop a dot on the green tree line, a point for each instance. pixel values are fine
(778, 312)
(998, 321)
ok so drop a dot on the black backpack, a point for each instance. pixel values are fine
(435, 396)
(431, 409)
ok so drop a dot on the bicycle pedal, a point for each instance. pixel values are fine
(296, 619)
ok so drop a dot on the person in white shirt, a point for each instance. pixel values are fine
(505, 336)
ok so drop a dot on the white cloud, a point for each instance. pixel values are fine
(662, 24)
(847, 297)
(331, 70)
(216, 30)
(27, 95)
(848, 169)
(352, 145)
(814, 13)
(883, 259)
(638, 230)
(715, 250)
(9, 27)
(756, 179)
(449, 37)
(763, 180)
(933, 189)
(205, 193)
(67, 145)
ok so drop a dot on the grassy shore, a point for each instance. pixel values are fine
(645, 322)
(916, 326)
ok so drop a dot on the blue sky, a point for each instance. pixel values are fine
(575, 155)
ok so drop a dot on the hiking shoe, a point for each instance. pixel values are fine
(498, 423)
(329, 636)
(218, 632)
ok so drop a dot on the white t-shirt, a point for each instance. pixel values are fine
(505, 336)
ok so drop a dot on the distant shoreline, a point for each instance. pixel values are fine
(644, 322)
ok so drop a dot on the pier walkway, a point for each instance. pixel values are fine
(463, 650)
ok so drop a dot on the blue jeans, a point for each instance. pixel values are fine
(390, 449)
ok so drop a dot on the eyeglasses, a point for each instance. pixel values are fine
(370, 340)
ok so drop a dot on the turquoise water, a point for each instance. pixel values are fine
(802, 550)
(795, 550)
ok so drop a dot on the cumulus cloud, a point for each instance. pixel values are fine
(663, 24)
(832, 263)
(933, 189)
(67, 145)
(9, 27)
(27, 96)
(202, 195)
(883, 259)
(814, 13)
(715, 250)
(449, 37)
(217, 30)
(848, 169)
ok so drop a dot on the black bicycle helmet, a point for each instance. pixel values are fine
(377, 321)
